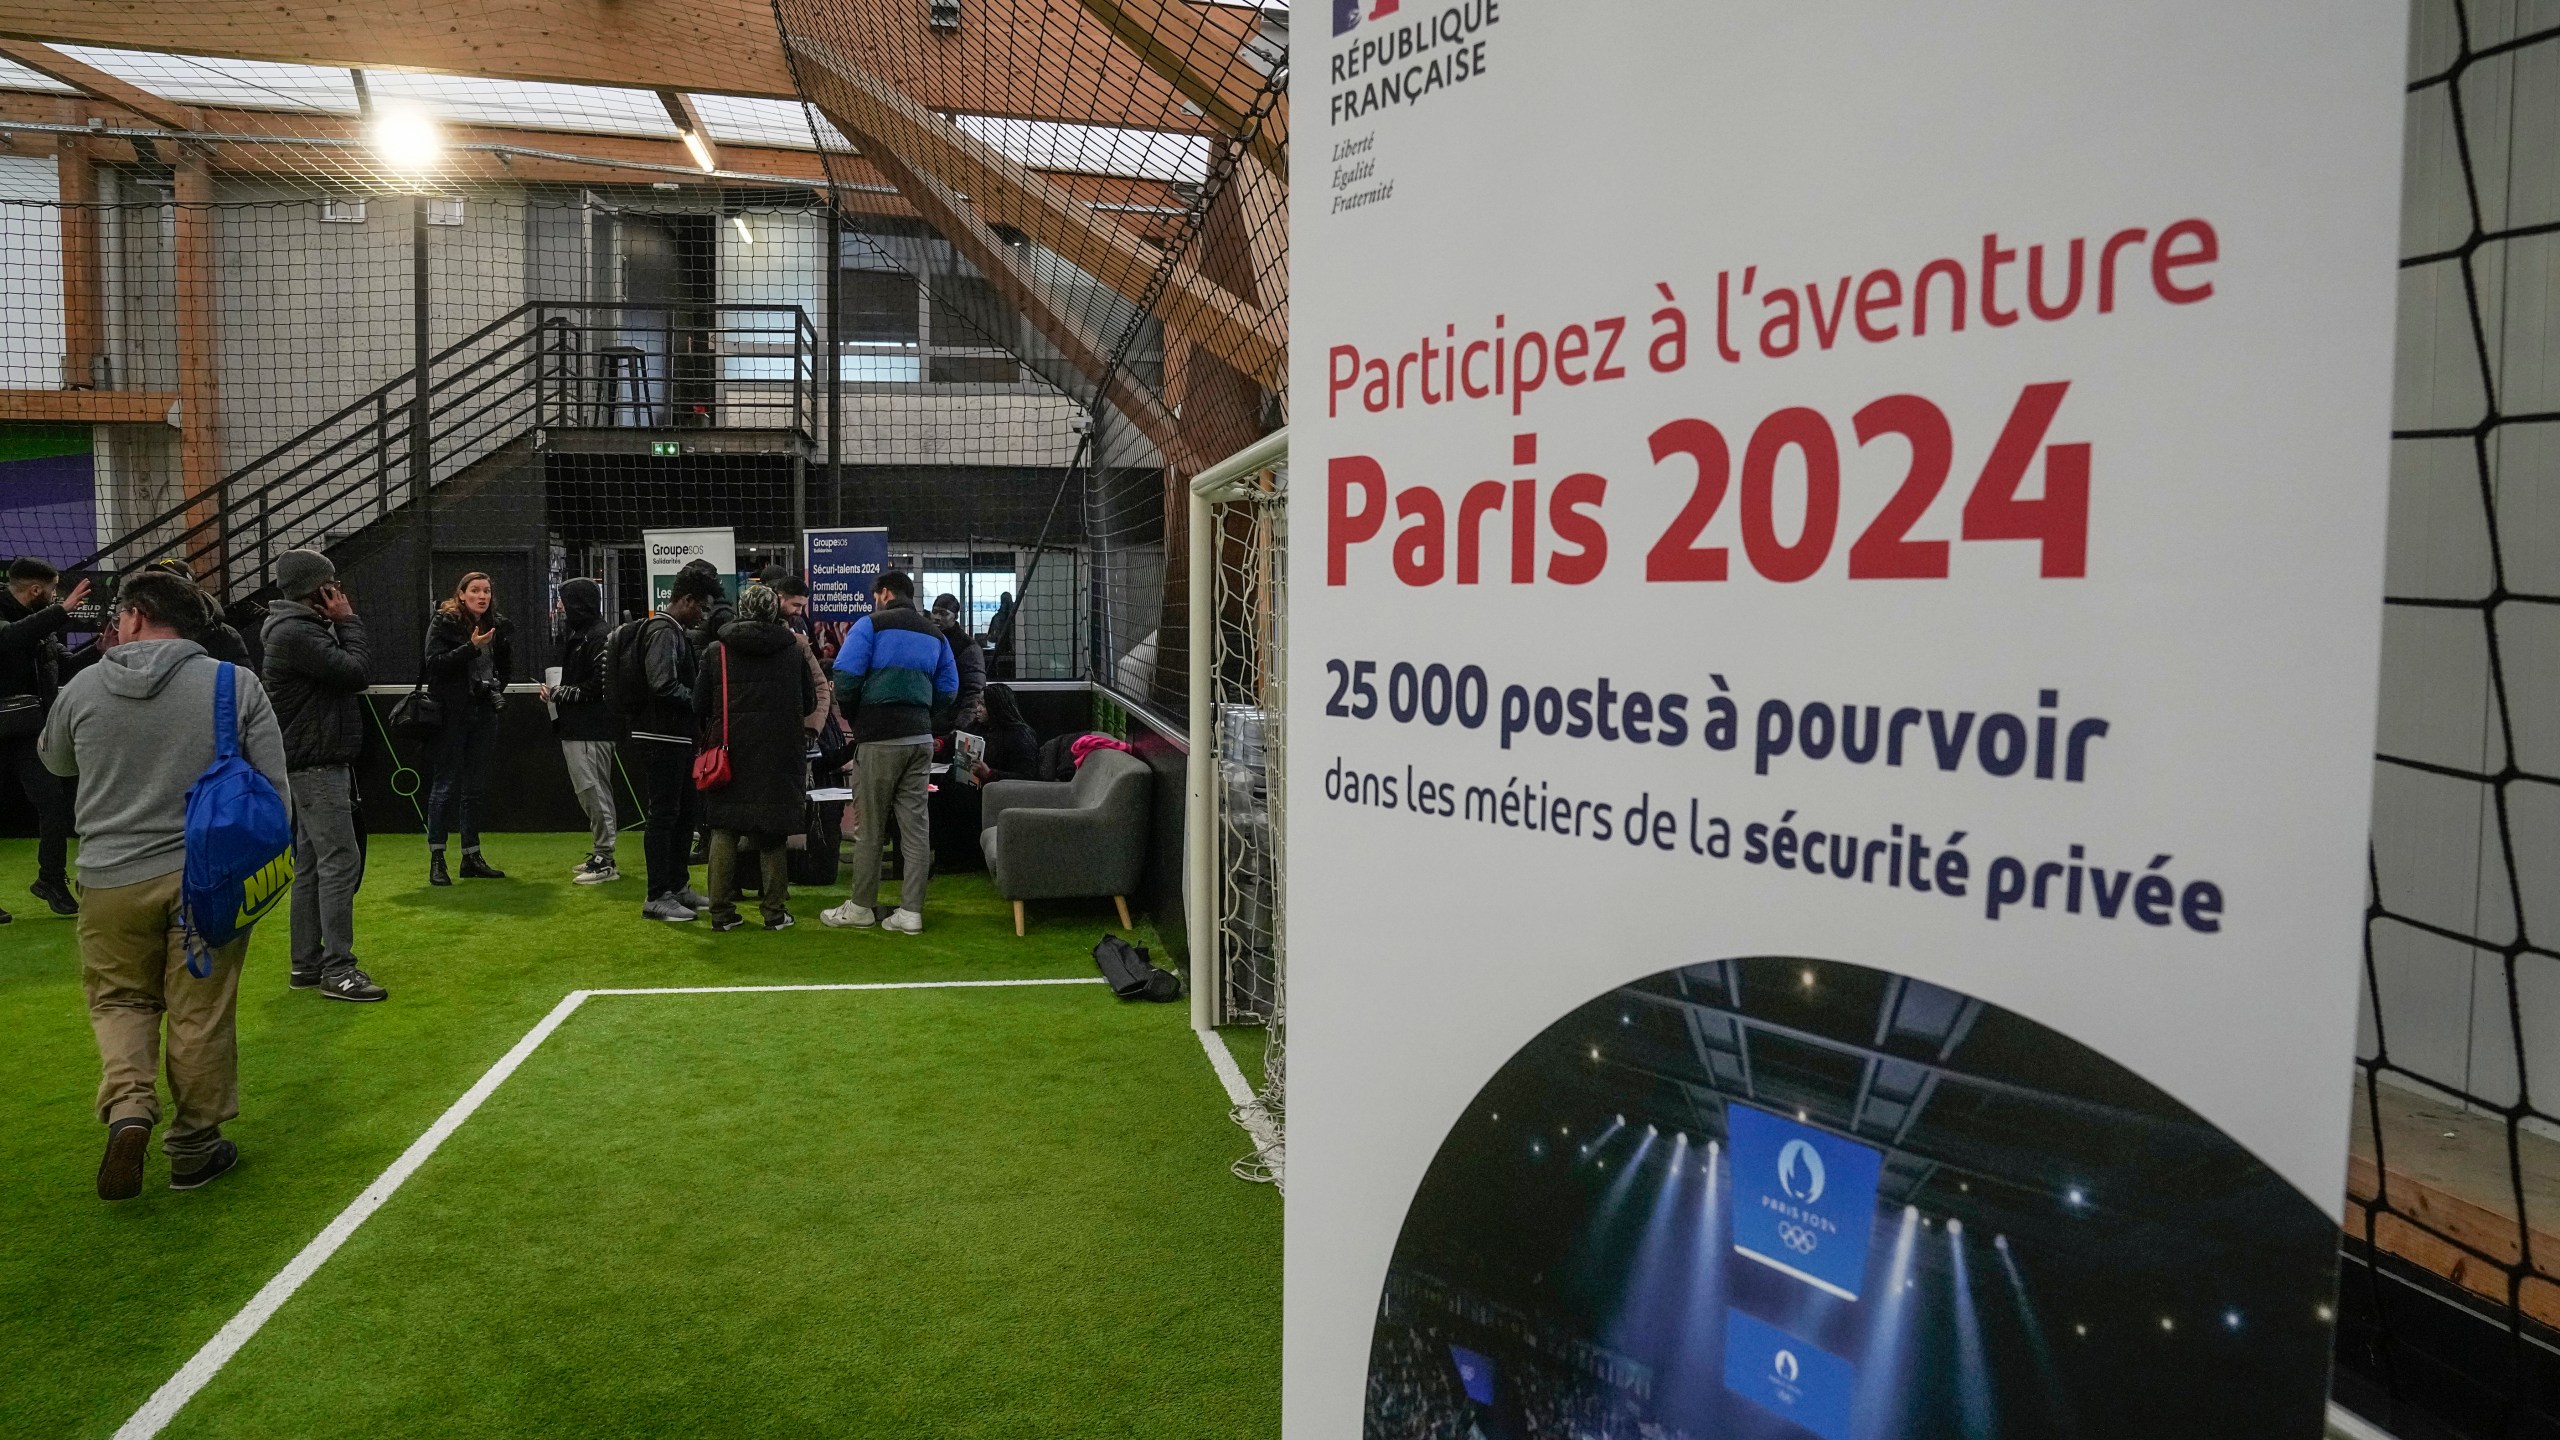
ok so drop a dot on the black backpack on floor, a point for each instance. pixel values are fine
(1132, 974)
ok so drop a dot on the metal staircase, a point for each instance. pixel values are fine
(537, 377)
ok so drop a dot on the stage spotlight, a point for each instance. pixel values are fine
(2080, 1330)
(406, 139)
(2168, 1325)
(1955, 1227)
(1808, 979)
(2076, 1197)
(2325, 1314)
(2230, 1319)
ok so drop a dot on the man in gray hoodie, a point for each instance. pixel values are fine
(137, 728)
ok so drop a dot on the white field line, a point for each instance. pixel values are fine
(1248, 1113)
(173, 1395)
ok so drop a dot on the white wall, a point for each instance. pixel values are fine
(31, 327)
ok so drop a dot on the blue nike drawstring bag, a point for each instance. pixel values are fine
(239, 841)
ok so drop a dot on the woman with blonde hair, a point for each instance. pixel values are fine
(470, 658)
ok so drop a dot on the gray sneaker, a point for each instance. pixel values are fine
(692, 899)
(667, 908)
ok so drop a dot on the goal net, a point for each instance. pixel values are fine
(1239, 638)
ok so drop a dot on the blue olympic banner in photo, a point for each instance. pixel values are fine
(1788, 1378)
(842, 564)
(1804, 1199)
(1475, 1372)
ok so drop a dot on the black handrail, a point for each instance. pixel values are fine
(484, 404)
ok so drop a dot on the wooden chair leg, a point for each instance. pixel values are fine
(1017, 919)
(1123, 902)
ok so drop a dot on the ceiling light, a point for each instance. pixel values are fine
(700, 152)
(407, 139)
(745, 236)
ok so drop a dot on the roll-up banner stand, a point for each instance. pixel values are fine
(843, 562)
(668, 551)
(1832, 691)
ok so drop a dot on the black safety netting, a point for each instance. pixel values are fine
(2453, 1287)
(437, 324)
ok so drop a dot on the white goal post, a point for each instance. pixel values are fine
(1232, 853)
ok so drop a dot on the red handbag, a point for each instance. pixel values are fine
(711, 767)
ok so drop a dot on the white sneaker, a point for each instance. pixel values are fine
(904, 921)
(598, 870)
(849, 916)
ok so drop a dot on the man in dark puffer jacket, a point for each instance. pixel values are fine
(315, 668)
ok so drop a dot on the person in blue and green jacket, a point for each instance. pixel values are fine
(892, 673)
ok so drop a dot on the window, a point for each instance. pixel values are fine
(969, 314)
(975, 369)
(878, 307)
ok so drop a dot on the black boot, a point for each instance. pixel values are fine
(435, 869)
(475, 868)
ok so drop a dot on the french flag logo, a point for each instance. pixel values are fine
(1346, 13)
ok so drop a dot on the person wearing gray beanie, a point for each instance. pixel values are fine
(315, 663)
(300, 572)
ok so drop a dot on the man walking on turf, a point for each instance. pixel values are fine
(895, 669)
(316, 668)
(138, 728)
(31, 626)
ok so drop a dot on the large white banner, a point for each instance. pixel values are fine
(1834, 607)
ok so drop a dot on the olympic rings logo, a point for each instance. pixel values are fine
(1797, 1238)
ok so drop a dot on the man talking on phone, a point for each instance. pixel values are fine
(315, 669)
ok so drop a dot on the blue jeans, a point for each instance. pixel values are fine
(464, 750)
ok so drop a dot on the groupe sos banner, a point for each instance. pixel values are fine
(668, 551)
(843, 563)
(1832, 683)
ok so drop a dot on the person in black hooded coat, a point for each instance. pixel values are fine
(756, 668)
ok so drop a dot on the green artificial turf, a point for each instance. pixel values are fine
(972, 1212)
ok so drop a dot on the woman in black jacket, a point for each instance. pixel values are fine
(470, 658)
(1013, 747)
(751, 693)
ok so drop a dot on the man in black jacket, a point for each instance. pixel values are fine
(587, 727)
(31, 627)
(969, 712)
(663, 736)
(316, 668)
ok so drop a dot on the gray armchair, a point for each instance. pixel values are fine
(1068, 839)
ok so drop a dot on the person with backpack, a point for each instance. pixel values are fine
(140, 729)
(470, 658)
(750, 699)
(32, 623)
(316, 670)
(649, 680)
(894, 672)
(589, 731)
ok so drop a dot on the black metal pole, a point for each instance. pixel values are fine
(421, 444)
(835, 365)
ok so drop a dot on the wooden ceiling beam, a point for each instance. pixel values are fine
(1151, 206)
(952, 215)
(97, 84)
(1194, 48)
(886, 123)
(1023, 59)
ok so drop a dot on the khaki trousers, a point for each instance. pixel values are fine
(133, 967)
